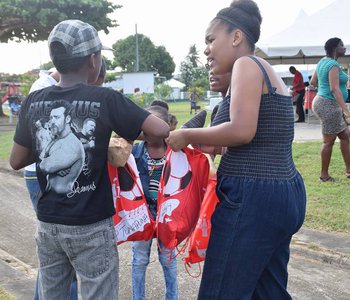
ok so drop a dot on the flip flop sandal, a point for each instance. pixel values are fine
(328, 179)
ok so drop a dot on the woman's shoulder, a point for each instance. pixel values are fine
(252, 64)
(327, 61)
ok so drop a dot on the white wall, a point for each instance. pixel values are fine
(142, 80)
(175, 94)
(129, 81)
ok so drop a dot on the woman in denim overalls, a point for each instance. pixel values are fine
(262, 195)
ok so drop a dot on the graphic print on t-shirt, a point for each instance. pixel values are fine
(65, 143)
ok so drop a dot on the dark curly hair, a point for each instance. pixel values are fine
(330, 46)
(245, 15)
(160, 110)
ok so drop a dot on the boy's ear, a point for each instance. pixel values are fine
(92, 61)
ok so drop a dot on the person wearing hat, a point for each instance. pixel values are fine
(75, 231)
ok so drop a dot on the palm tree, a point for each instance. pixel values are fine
(193, 56)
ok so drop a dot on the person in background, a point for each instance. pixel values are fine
(262, 195)
(75, 229)
(329, 106)
(194, 98)
(150, 159)
(172, 122)
(160, 103)
(46, 78)
(172, 118)
(298, 89)
(219, 83)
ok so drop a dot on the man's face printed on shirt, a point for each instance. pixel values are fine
(57, 121)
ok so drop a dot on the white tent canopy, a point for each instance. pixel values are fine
(303, 42)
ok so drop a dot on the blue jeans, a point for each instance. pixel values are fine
(73, 290)
(89, 250)
(32, 187)
(34, 193)
(252, 227)
(141, 253)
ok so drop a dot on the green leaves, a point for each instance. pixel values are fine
(32, 20)
(151, 57)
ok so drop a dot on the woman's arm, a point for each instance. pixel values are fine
(333, 77)
(314, 80)
(247, 83)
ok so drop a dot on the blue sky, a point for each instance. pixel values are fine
(174, 24)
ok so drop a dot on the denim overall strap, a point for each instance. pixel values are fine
(271, 89)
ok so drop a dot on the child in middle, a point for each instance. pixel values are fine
(150, 159)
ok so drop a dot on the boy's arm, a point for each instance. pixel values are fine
(20, 156)
(154, 128)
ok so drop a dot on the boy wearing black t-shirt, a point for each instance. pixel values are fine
(75, 228)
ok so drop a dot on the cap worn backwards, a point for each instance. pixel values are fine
(78, 38)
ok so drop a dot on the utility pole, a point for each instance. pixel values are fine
(137, 50)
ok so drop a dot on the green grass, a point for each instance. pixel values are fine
(4, 295)
(328, 204)
(182, 111)
(6, 140)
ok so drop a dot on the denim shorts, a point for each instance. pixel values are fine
(252, 227)
(90, 250)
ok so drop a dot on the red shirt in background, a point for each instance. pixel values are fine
(298, 82)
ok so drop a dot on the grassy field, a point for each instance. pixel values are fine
(328, 204)
(5, 296)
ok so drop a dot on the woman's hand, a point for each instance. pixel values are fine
(214, 150)
(177, 139)
(347, 117)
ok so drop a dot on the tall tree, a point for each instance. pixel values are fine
(192, 71)
(164, 63)
(186, 73)
(32, 20)
(193, 56)
(151, 58)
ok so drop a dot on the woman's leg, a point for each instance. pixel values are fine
(273, 281)
(251, 231)
(344, 148)
(326, 154)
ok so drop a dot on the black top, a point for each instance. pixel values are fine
(269, 154)
(72, 171)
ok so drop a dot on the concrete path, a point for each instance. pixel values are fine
(319, 266)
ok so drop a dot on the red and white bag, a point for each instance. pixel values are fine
(198, 241)
(133, 220)
(182, 187)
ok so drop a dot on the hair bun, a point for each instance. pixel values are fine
(249, 7)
